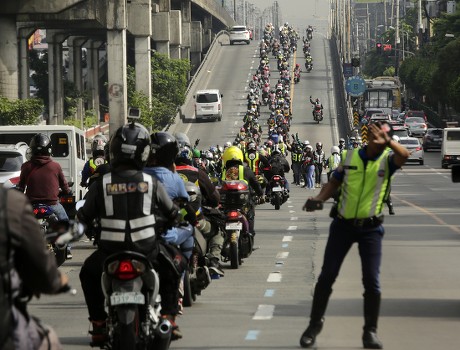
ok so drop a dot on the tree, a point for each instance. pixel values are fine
(20, 112)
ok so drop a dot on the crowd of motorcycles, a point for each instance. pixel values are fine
(130, 284)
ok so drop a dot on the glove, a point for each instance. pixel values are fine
(260, 200)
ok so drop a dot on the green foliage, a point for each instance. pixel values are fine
(169, 85)
(20, 112)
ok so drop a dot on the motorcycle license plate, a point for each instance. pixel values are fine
(234, 226)
(277, 189)
(127, 298)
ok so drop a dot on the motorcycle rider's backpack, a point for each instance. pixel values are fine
(276, 166)
(6, 321)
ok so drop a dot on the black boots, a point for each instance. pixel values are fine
(320, 300)
(371, 315)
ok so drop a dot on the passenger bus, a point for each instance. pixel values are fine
(383, 93)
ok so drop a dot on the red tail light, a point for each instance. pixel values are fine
(14, 180)
(66, 199)
(126, 269)
(276, 178)
(233, 215)
(234, 186)
(218, 106)
(418, 148)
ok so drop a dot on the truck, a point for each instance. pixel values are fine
(450, 148)
(68, 149)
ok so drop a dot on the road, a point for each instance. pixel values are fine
(265, 303)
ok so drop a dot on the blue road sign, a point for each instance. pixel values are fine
(355, 86)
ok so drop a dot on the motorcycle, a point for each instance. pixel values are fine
(296, 77)
(318, 115)
(131, 289)
(46, 219)
(308, 67)
(238, 242)
(277, 191)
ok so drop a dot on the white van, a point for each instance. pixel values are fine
(450, 149)
(208, 104)
(68, 148)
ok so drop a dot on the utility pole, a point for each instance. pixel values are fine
(397, 40)
(420, 25)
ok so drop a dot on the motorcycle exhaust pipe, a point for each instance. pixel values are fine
(164, 329)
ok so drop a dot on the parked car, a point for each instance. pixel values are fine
(416, 126)
(12, 156)
(432, 139)
(239, 34)
(414, 147)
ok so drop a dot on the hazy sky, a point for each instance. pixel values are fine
(299, 13)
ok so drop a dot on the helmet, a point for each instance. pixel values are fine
(395, 138)
(227, 144)
(209, 155)
(297, 65)
(317, 100)
(252, 147)
(319, 145)
(232, 153)
(196, 153)
(194, 194)
(335, 149)
(309, 147)
(40, 145)
(242, 129)
(182, 139)
(130, 144)
(98, 145)
(306, 143)
(342, 140)
(184, 156)
(164, 147)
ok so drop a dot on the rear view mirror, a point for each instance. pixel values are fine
(456, 173)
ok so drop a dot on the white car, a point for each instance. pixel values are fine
(12, 156)
(415, 148)
(239, 34)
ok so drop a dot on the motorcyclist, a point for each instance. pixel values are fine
(342, 146)
(126, 194)
(318, 106)
(26, 268)
(161, 165)
(278, 166)
(98, 158)
(233, 169)
(211, 198)
(42, 178)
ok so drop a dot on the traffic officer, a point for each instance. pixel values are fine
(126, 194)
(98, 158)
(296, 161)
(363, 178)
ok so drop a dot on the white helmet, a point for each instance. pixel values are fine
(306, 143)
(335, 149)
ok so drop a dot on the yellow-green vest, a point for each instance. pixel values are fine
(363, 190)
(253, 163)
(240, 173)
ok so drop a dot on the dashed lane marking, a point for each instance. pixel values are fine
(274, 277)
(292, 228)
(282, 255)
(269, 293)
(287, 239)
(252, 335)
(264, 312)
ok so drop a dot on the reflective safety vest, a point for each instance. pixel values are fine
(118, 229)
(333, 161)
(282, 148)
(363, 189)
(233, 173)
(296, 156)
(253, 163)
(95, 162)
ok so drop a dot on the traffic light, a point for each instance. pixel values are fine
(355, 62)
(378, 47)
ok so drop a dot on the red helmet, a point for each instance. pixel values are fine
(267, 84)
(297, 65)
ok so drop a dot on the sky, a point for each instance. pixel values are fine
(299, 13)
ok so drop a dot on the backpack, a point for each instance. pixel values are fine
(6, 318)
(276, 166)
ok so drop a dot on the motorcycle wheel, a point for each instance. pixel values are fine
(188, 297)
(60, 254)
(234, 253)
(159, 343)
(124, 336)
(277, 201)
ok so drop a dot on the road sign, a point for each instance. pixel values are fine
(355, 86)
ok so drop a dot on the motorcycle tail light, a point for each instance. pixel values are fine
(276, 178)
(66, 199)
(233, 215)
(126, 269)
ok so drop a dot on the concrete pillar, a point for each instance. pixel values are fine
(75, 72)
(207, 31)
(23, 62)
(140, 26)
(55, 77)
(186, 13)
(8, 58)
(164, 5)
(117, 87)
(93, 76)
(175, 34)
(196, 41)
(161, 32)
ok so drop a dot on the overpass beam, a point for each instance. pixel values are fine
(186, 12)
(196, 44)
(8, 58)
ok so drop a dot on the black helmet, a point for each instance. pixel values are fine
(98, 145)
(182, 140)
(130, 145)
(40, 145)
(164, 148)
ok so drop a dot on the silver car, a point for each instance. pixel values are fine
(416, 125)
(415, 148)
(11, 159)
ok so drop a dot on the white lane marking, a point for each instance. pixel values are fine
(282, 255)
(285, 245)
(252, 335)
(294, 218)
(292, 228)
(290, 206)
(264, 312)
(287, 239)
(274, 277)
(291, 211)
(269, 293)
(236, 122)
